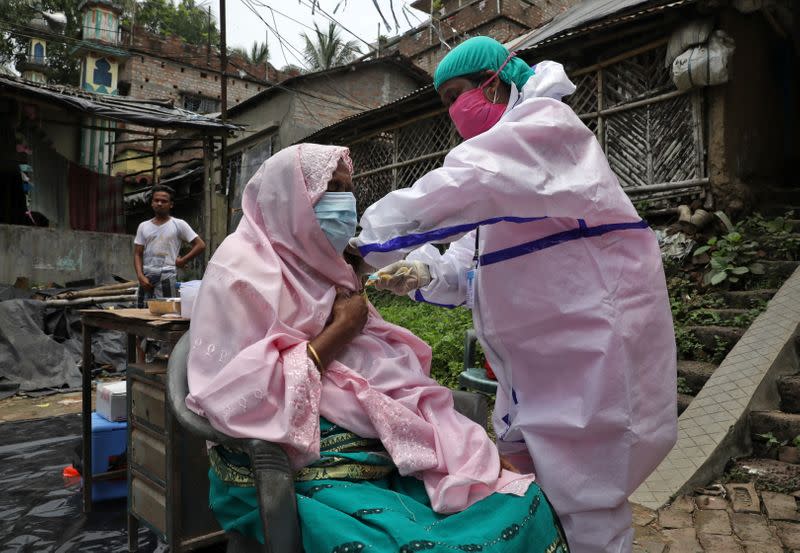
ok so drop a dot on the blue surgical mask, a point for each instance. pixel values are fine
(336, 213)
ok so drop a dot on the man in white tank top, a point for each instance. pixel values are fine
(157, 246)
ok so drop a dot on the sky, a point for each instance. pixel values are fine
(359, 16)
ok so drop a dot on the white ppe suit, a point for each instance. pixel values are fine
(570, 302)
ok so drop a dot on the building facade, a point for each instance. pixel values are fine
(452, 21)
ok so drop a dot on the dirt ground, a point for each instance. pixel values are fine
(23, 408)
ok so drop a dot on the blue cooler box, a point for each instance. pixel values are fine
(109, 445)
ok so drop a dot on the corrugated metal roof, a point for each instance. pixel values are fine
(396, 60)
(583, 17)
(418, 99)
(117, 108)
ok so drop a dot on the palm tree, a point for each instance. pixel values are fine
(329, 49)
(258, 54)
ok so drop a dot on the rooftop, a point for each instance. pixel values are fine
(147, 113)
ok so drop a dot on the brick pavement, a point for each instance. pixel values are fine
(734, 518)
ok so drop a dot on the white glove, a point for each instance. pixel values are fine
(402, 277)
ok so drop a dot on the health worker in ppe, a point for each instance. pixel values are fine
(564, 279)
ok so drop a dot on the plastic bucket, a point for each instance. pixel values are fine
(188, 291)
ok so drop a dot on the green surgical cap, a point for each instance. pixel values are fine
(479, 54)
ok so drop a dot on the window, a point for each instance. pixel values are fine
(102, 72)
(200, 104)
(38, 52)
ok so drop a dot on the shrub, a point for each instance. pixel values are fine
(443, 329)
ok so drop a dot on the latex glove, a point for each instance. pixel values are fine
(402, 277)
(352, 247)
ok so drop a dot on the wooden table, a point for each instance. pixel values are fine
(159, 455)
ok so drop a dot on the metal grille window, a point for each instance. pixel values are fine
(650, 131)
(396, 157)
(200, 104)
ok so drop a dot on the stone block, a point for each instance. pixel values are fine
(642, 516)
(780, 506)
(789, 534)
(683, 503)
(789, 454)
(710, 503)
(751, 527)
(683, 540)
(744, 498)
(649, 547)
(719, 544)
(713, 522)
(789, 390)
(784, 426)
(763, 547)
(672, 518)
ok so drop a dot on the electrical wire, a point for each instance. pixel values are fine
(334, 20)
(67, 41)
(283, 40)
(289, 90)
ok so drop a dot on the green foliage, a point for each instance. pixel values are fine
(683, 387)
(186, 19)
(721, 349)
(688, 345)
(770, 441)
(642, 207)
(257, 55)
(730, 258)
(776, 235)
(796, 441)
(443, 329)
(328, 49)
(15, 25)
(689, 305)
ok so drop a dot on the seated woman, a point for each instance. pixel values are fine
(285, 349)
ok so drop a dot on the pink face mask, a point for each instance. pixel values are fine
(472, 113)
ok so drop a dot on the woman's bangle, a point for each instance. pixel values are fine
(315, 357)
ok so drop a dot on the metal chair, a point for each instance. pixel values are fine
(474, 378)
(273, 474)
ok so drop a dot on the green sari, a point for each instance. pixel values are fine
(353, 499)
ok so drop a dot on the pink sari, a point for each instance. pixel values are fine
(267, 291)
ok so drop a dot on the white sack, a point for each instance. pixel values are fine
(693, 33)
(705, 65)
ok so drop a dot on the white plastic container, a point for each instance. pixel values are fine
(111, 400)
(188, 293)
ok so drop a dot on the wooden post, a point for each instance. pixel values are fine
(155, 159)
(208, 193)
(601, 128)
(86, 416)
(223, 165)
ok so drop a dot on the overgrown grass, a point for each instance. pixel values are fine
(443, 329)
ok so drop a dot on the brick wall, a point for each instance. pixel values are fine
(513, 18)
(551, 8)
(168, 68)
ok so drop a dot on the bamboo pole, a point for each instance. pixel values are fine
(401, 164)
(620, 57)
(633, 105)
(86, 301)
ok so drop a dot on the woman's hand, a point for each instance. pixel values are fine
(349, 312)
(505, 464)
(348, 317)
